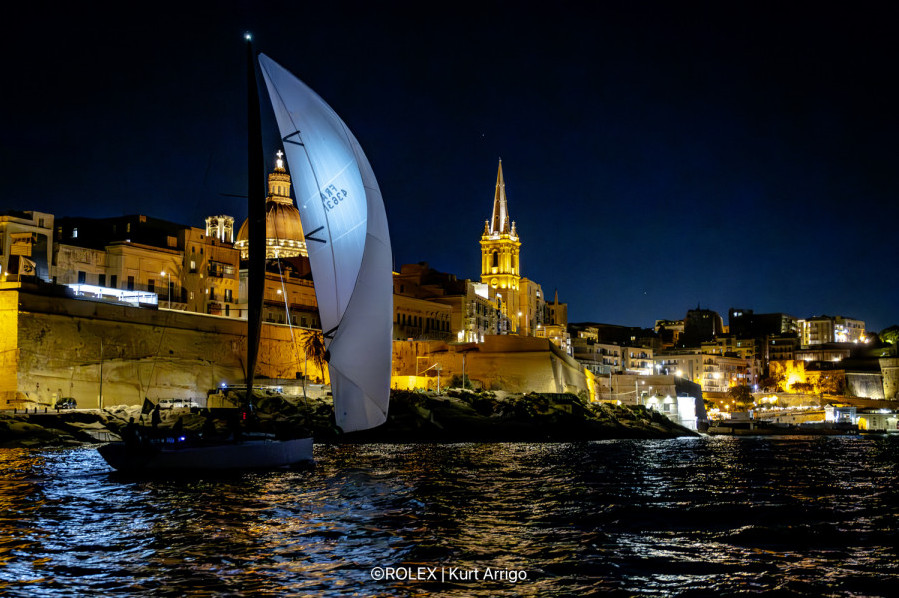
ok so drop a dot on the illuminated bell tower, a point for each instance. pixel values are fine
(499, 254)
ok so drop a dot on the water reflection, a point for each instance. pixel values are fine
(717, 515)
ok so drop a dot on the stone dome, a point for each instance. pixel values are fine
(283, 229)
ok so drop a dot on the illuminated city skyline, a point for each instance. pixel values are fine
(654, 158)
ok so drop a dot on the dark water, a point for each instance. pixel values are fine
(708, 516)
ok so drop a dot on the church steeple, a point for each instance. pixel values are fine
(499, 223)
(499, 255)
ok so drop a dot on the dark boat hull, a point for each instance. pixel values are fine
(248, 454)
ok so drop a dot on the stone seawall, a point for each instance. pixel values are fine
(104, 354)
(512, 363)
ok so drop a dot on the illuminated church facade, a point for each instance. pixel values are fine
(500, 249)
(520, 300)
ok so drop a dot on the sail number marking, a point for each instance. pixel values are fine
(332, 196)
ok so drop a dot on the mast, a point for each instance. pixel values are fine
(255, 219)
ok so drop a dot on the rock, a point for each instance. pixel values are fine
(458, 416)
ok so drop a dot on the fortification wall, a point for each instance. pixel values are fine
(511, 363)
(104, 354)
(890, 368)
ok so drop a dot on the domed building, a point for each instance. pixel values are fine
(283, 229)
(289, 292)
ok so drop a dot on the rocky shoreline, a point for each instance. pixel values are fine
(457, 416)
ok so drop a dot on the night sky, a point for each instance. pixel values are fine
(656, 155)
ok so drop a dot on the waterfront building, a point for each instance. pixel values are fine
(678, 399)
(184, 267)
(824, 352)
(780, 347)
(420, 319)
(531, 308)
(556, 328)
(682, 363)
(604, 349)
(713, 372)
(701, 325)
(831, 329)
(731, 345)
(669, 332)
(744, 323)
(459, 309)
(637, 360)
(417, 317)
(26, 245)
(877, 420)
(599, 358)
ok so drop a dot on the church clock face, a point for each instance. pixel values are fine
(494, 283)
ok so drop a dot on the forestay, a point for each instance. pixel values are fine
(347, 239)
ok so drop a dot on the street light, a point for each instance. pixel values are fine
(439, 368)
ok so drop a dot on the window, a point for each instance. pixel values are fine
(151, 285)
(82, 277)
(75, 233)
(114, 283)
(495, 259)
(193, 266)
(130, 283)
(228, 295)
(101, 280)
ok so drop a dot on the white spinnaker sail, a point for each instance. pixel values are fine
(349, 246)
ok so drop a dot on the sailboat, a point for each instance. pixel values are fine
(348, 244)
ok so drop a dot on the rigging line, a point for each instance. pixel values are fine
(293, 342)
(155, 358)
